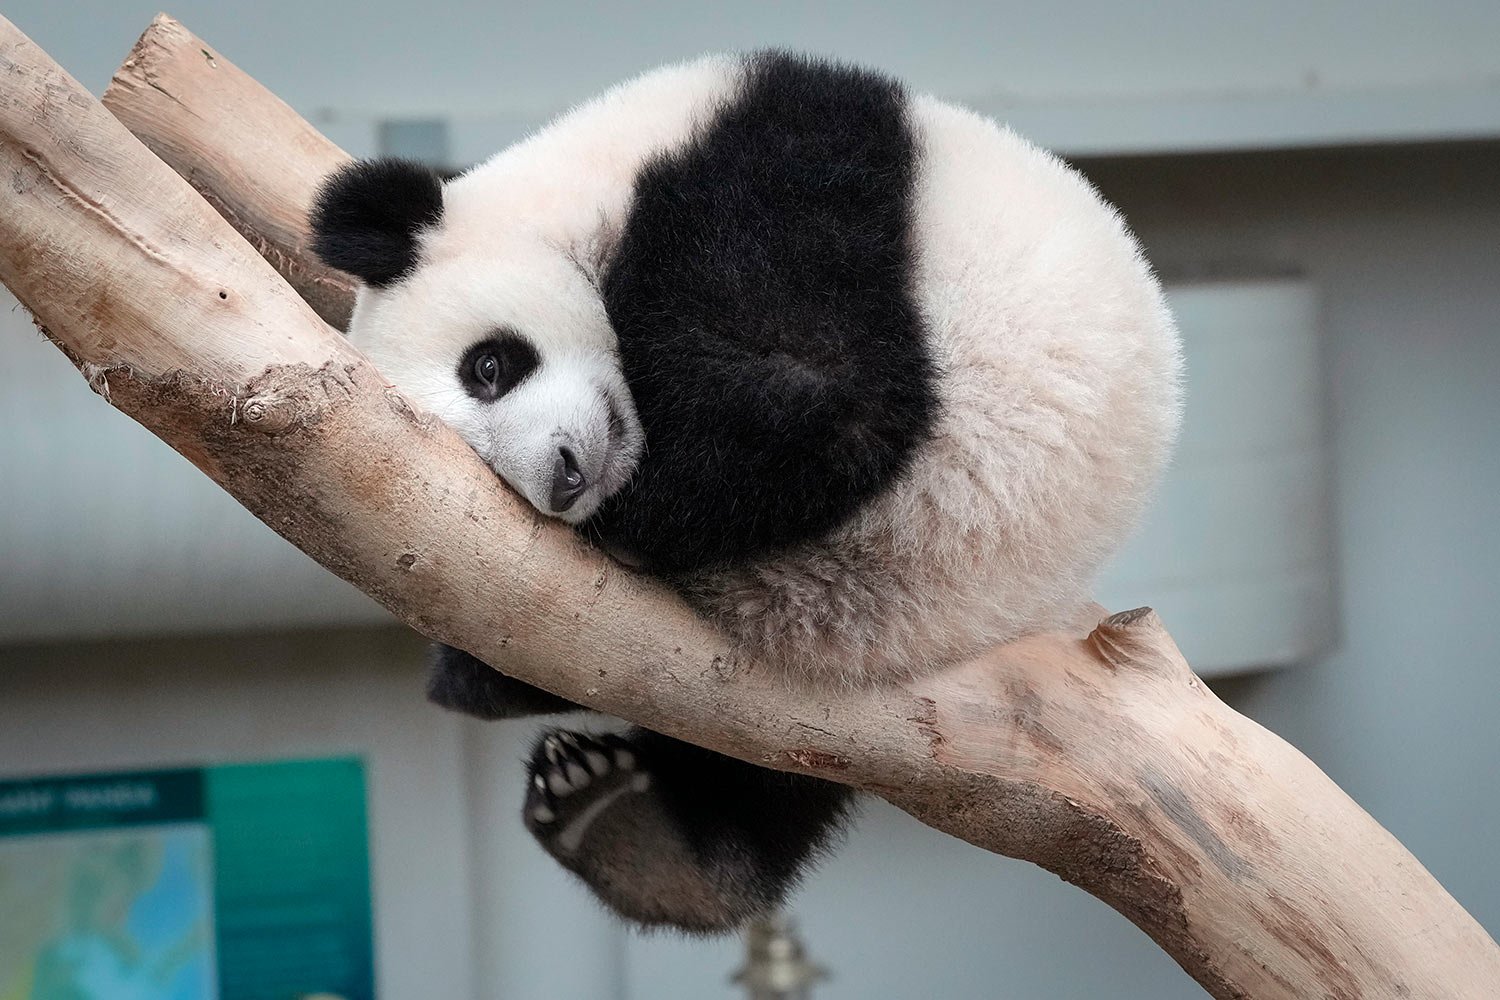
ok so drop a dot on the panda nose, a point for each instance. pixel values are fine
(568, 481)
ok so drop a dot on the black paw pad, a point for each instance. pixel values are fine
(573, 778)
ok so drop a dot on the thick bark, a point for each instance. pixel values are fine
(1097, 755)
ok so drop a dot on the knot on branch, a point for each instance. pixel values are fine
(287, 398)
(269, 413)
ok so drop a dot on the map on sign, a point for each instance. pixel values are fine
(123, 915)
(237, 882)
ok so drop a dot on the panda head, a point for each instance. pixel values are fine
(495, 329)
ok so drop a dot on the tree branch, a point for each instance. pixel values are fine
(252, 157)
(1098, 756)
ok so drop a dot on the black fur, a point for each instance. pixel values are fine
(761, 293)
(366, 218)
(704, 844)
(515, 359)
(462, 683)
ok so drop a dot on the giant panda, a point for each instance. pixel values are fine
(870, 380)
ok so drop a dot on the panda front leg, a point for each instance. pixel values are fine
(463, 683)
(669, 834)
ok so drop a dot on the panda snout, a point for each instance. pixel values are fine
(568, 481)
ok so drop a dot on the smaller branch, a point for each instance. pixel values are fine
(111, 260)
(221, 130)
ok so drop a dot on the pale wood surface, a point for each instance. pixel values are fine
(1097, 755)
(221, 130)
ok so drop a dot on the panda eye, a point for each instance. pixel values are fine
(496, 365)
(487, 369)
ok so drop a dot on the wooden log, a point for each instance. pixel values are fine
(217, 127)
(1097, 754)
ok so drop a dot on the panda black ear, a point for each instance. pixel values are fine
(366, 217)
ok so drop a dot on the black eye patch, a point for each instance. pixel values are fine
(496, 365)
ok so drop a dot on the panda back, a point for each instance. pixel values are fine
(762, 288)
(1057, 377)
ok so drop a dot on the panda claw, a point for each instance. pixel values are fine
(557, 783)
(573, 775)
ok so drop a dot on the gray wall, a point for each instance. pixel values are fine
(462, 56)
(1087, 76)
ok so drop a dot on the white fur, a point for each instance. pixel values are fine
(1060, 389)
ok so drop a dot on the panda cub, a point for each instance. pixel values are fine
(874, 383)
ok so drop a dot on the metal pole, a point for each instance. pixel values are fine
(775, 966)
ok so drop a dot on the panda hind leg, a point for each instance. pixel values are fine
(463, 683)
(670, 835)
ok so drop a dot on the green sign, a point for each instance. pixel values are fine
(244, 882)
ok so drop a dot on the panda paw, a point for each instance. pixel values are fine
(574, 778)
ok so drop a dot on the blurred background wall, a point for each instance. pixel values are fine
(1354, 147)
